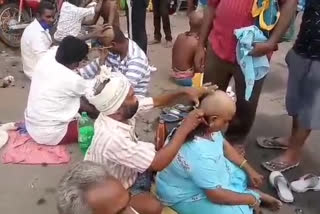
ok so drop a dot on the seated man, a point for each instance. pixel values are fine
(89, 189)
(208, 175)
(116, 146)
(72, 17)
(126, 57)
(36, 39)
(184, 50)
(55, 91)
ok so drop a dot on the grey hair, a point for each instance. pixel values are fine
(73, 185)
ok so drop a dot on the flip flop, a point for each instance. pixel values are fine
(280, 183)
(270, 143)
(305, 183)
(279, 166)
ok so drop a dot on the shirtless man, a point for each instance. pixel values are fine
(184, 50)
(109, 12)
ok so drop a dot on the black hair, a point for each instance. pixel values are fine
(71, 50)
(75, 2)
(45, 5)
(118, 35)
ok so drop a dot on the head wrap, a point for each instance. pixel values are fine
(113, 94)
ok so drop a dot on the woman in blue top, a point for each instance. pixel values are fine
(208, 176)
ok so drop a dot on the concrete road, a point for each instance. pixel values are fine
(31, 189)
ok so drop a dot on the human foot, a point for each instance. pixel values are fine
(283, 163)
(270, 202)
(168, 44)
(273, 142)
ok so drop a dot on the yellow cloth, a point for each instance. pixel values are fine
(259, 11)
(197, 80)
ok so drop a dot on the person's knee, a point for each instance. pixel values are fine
(156, 208)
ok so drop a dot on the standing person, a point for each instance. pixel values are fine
(136, 21)
(161, 12)
(221, 18)
(303, 92)
(36, 39)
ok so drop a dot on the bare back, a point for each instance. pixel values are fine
(106, 8)
(184, 50)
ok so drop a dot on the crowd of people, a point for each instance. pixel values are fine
(202, 167)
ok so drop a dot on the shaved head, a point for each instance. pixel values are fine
(218, 103)
(195, 19)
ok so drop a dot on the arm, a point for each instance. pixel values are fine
(91, 70)
(190, 6)
(112, 11)
(165, 155)
(227, 197)
(287, 10)
(232, 155)
(209, 15)
(167, 99)
(96, 14)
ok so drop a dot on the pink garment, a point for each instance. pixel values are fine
(22, 149)
(230, 15)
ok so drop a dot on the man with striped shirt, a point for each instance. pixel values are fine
(126, 57)
(116, 146)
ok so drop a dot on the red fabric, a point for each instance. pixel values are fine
(22, 149)
(230, 15)
(72, 134)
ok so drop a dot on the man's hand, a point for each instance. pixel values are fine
(263, 48)
(199, 59)
(195, 94)
(192, 121)
(256, 179)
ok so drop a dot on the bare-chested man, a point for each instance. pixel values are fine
(109, 12)
(184, 50)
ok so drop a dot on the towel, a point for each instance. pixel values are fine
(253, 68)
(22, 149)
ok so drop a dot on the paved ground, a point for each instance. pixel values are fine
(31, 189)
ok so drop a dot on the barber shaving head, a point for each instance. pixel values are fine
(115, 97)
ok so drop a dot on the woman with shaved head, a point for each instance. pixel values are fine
(208, 175)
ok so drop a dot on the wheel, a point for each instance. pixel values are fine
(9, 16)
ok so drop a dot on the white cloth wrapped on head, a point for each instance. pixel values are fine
(113, 94)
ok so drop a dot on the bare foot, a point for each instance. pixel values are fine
(168, 44)
(270, 202)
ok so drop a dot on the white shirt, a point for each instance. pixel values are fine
(70, 20)
(35, 42)
(115, 145)
(54, 100)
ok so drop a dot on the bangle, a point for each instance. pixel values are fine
(255, 202)
(243, 163)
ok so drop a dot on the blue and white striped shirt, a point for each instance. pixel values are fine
(134, 66)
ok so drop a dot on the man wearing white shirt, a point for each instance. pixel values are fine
(55, 93)
(116, 146)
(36, 39)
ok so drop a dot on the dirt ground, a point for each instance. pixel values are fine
(31, 189)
